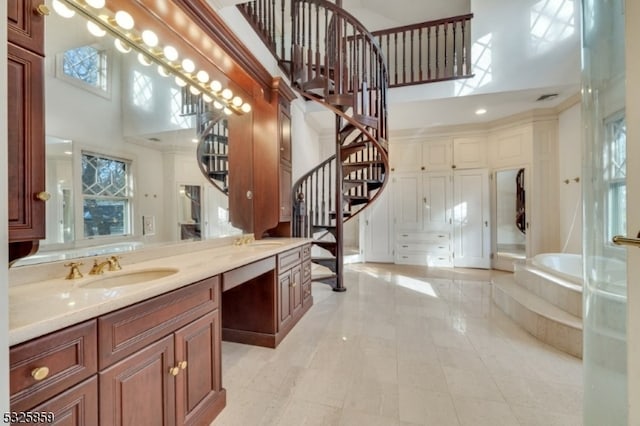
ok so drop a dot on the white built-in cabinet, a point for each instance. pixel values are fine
(441, 210)
(438, 154)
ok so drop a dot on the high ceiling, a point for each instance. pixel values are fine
(522, 49)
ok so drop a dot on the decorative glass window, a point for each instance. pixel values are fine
(87, 67)
(142, 93)
(615, 159)
(106, 195)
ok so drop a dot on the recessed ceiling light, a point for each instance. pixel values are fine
(481, 111)
(195, 140)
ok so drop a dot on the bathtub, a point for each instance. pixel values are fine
(569, 267)
(562, 265)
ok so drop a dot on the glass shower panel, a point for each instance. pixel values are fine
(604, 195)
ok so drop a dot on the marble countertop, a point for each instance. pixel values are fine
(39, 306)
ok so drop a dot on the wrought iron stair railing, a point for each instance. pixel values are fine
(332, 59)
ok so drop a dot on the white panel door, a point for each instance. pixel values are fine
(407, 200)
(471, 213)
(376, 230)
(405, 156)
(437, 201)
(470, 153)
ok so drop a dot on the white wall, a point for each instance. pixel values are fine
(570, 167)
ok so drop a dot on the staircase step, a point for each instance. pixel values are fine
(347, 130)
(356, 200)
(352, 148)
(540, 318)
(331, 229)
(366, 120)
(327, 262)
(355, 183)
(354, 167)
(318, 82)
(218, 174)
(345, 213)
(340, 99)
(330, 246)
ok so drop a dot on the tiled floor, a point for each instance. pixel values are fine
(403, 346)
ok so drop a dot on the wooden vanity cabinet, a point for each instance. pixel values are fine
(153, 363)
(176, 379)
(294, 287)
(25, 108)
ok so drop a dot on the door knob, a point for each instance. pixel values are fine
(43, 196)
(43, 10)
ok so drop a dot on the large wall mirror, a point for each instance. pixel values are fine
(511, 219)
(121, 166)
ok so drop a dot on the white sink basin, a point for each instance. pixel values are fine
(130, 278)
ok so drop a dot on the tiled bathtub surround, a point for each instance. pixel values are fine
(405, 345)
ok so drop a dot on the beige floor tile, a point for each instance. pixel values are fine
(472, 384)
(480, 412)
(303, 413)
(384, 352)
(425, 407)
(372, 397)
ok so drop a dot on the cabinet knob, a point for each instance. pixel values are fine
(249, 195)
(453, 166)
(422, 168)
(174, 371)
(40, 373)
(43, 10)
(293, 285)
(43, 196)
(182, 365)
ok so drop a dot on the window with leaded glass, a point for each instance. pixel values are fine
(106, 195)
(87, 67)
(615, 159)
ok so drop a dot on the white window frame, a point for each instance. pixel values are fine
(107, 57)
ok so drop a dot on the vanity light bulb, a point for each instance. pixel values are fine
(188, 65)
(124, 20)
(170, 53)
(163, 71)
(95, 30)
(62, 9)
(208, 99)
(237, 101)
(180, 82)
(227, 94)
(246, 108)
(218, 105)
(194, 91)
(96, 4)
(202, 76)
(121, 46)
(216, 86)
(149, 38)
(228, 111)
(144, 60)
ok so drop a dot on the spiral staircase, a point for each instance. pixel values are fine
(332, 59)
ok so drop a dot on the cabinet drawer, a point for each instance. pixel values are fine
(411, 258)
(430, 248)
(289, 258)
(70, 355)
(306, 252)
(423, 237)
(306, 271)
(125, 331)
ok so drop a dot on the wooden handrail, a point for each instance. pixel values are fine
(425, 24)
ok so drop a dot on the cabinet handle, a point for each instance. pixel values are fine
(405, 246)
(182, 365)
(43, 10)
(293, 285)
(40, 373)
(174, 371)
(43, 196)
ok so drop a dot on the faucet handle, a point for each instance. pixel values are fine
(114, 264)
(74, 272)
(96, 269)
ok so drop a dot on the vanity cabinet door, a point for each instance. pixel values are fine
(199, 383)
(26, 24)
(284, 300)
(296, 290)
(140, 389)
(77, 406)
(25, 145)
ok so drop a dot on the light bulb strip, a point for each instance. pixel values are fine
(154, 54)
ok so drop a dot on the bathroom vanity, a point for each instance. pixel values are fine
(142, 345)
